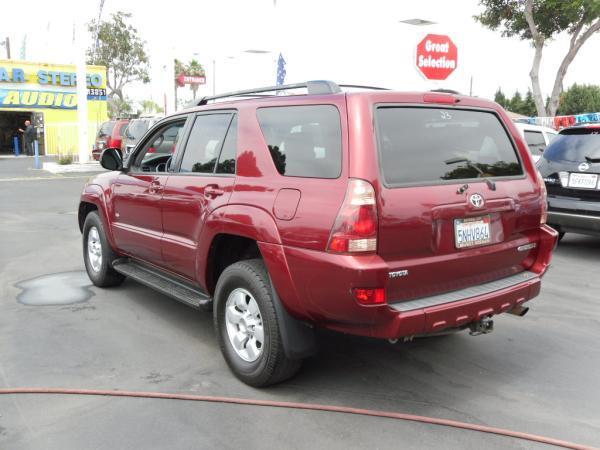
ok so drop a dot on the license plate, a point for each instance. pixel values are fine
(583, 180)
(472, 231)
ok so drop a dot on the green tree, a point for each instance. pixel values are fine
(539, 21)
(121, 50)
(529, 108)
(516, 103)
(500, 98)
(150, 107)
(118, 107)
(580, 98)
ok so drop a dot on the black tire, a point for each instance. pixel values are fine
(104, 275)
(272, 365)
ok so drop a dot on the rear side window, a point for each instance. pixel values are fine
(205, 142)
(575, 145)
(304, 141)
(535, 141)
(429, 145)
(107, 128)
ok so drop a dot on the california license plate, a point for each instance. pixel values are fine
(472, 231)
(583, 180)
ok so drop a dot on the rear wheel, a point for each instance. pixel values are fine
(247, 326)
(97, 253)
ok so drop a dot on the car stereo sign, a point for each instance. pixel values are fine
(437, 56)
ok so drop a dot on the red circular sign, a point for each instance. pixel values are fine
(437, 56)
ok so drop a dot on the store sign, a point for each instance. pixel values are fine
(41, 86)
(48, 77)
(183, 79)
(437, 57)
(13, 98)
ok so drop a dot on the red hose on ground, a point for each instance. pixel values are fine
(305, 406)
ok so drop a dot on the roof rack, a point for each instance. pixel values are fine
(360, 86)
(314, 87)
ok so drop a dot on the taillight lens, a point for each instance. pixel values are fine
(369, 296)
(151, 150)
(355, 229)
(544, 199)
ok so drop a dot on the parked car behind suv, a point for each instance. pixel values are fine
(109, 135)
(571, 170)
(375, 213)
(536, 137)
(135, 130)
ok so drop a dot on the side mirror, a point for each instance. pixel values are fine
(112, 159)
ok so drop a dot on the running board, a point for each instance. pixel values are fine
(164, 283)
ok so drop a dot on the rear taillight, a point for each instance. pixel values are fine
(544, 198)
(151, 150)
(369, 296)
(355, 229)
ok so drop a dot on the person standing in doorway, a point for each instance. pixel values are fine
(29, 135)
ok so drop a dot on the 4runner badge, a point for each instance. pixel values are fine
(477, 200)
(398, 273)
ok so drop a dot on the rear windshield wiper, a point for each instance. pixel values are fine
(491, 184)
(592, 160)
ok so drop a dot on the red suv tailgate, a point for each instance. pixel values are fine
(442, 227)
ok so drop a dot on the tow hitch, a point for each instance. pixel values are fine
(483, 326)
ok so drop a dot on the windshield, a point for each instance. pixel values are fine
(425, 145)
(137, 128)
(574, 145)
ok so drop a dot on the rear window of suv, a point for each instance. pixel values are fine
(304, 141)
(420, 145)
(575, 145)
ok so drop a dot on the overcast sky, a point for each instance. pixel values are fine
(348, 41)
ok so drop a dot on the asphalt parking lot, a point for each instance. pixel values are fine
(538, 374)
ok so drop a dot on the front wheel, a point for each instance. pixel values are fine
(247, 327)
(97, 253)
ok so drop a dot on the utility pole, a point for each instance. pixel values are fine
(82, 102)
(7, 45)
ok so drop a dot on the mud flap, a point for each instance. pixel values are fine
(299, 340)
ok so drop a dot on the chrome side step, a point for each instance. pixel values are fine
(164, 283)
(463, 294)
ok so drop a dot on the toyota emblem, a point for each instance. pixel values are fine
(477, 200)
(583, 167)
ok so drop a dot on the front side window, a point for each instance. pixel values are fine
(159, 149)
(427, 145)
(228, 155)
(205, 142)
(304, 141)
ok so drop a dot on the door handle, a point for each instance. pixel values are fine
(213, 190)
(155, 187)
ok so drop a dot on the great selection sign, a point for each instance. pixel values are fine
(35, 86)
(437, 57)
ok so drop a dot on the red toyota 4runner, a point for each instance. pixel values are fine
(371, 212)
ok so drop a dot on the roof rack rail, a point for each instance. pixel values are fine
(314, 87)
(360, 86)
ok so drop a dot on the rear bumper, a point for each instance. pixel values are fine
(574, 214)
(575, 222)
(321, 285)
